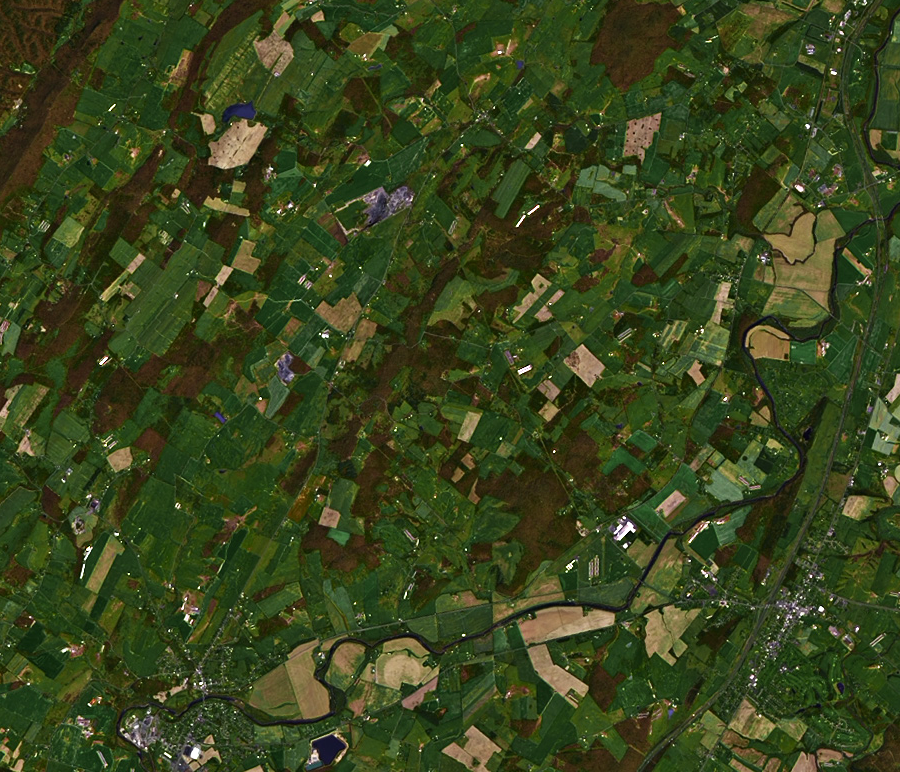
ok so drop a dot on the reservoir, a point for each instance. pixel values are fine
(325, 751)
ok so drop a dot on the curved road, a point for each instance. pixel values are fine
(862, 345)
(336, 696)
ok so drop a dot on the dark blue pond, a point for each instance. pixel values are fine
(329, 747)
(239, 110)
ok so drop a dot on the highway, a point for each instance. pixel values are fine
(881, 264)
(764, 609)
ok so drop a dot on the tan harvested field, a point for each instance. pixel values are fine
(223, 274)
(24, 446)
(875, 137)
(237, 145)
(793, 727)
(828, 756)
(800, 243)
(120, 459)
(412, 701)
(470, 422)
(112, 549)
(859, 507)
(696, 373)
(539, 285)
(343, 314)
(291, 690)
(674, 500)
(393, 669)
(113, 288)
(347, 658)
(455, 752)
(722, 301)
(549, 389)
(639, 134)
(224, 206)
(585, 365)
(405, 644)
(802, 281)
(244, 260)
(446, 602)
(364, 331)
(748, 723)
(24, 410)
(552, 623)
(312, 697)
(211, 296)
(806, 762)
(562, 681)
(767, 342)
(367, 44)
(548, 411)
(274, 52)
(664, 628)
(207, 755)
(166, 693)
(854, 261)
(479, 745)
(135, 263)
(329, 517)
(545, 314)
(761, 417)
(476, 751)
(208, 123)
(812, 276)
(766, 18)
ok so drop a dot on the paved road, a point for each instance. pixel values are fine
(763, 610)
(768, 605)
